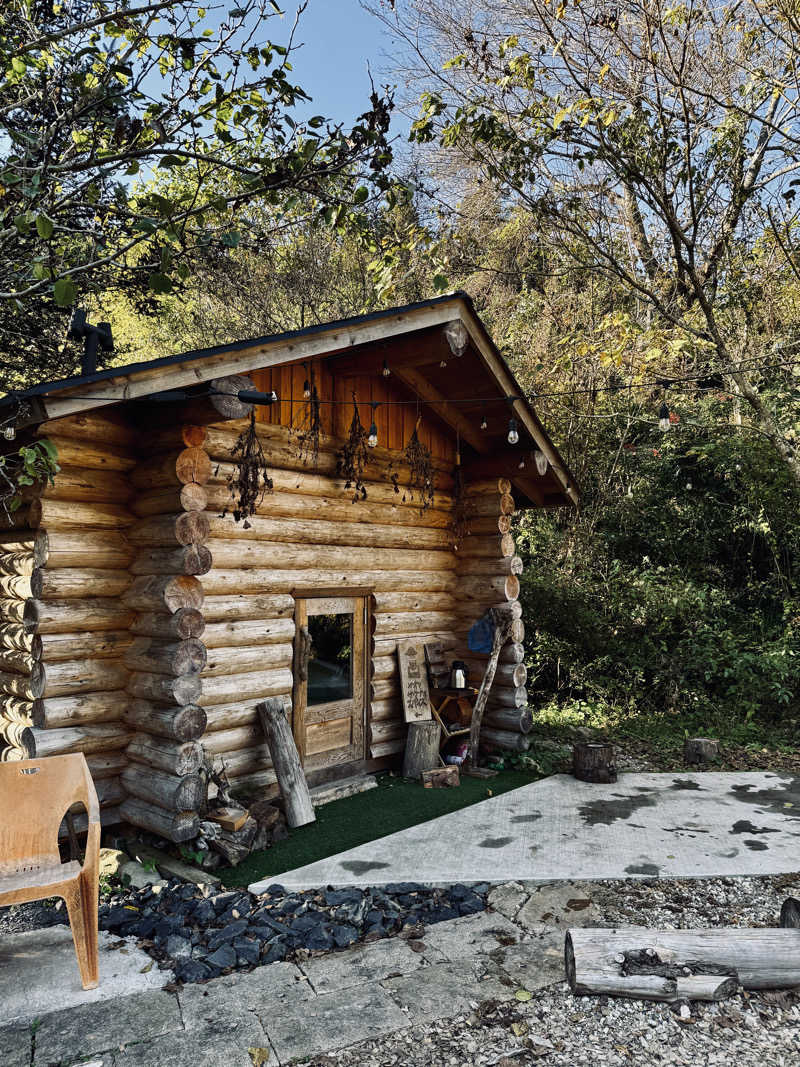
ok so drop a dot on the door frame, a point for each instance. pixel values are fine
(362, 669)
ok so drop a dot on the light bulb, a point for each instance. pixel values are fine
(541, 461)
(9, 432)
(513, 435)
(663, 418)
(484, 423)
(385, 370)
(372, 440)
(522, 464)
(306, 390)
(443, 363)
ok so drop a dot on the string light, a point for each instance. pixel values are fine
(521, 464)
(663, 418)
(484, 423)
(541, 461)
(513, 433)
(385, 369)
(306, 390)
(372, 439)
(9, 431)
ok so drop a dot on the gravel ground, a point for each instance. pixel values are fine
(561, 1030)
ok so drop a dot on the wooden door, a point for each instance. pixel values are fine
(330, 679)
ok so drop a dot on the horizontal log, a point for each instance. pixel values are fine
(515, 719)
(106, 765)
(72, 515)
(247, 658)
(238, 606)
(496, 566)
(169, 791)
(234, 740)
(172, 757)
(103, 707)
(384, 749)
(106, 549)
(174, 826)
(510, 653)
(84, 739)
(173, 469)
(77, 583)
(243, 712)
(387, 730)
(24, 686)
(185, 528)
(186, 559)
(24, 746)
(184, 623)
(705, 987)
(412, 602)
(102, 644)
(484, 587)
(387, 709)
(31, 543)
(480, 525)
(191, 497)
(18, 612)
(510, 740)
(246, 687)
(86, 453)
(254, 766)
(165, 689)
(11, 659)
(254, 554)
(159, 657)
(83, 676)
(512, 675)
(111, 429)
(174, 438)
(70, 616)
(491, 547)
(16, 735)
(16, 564)
(409, 622)
(88, 485)
(164, 593)
(243, 632)
(16, 710)
(187, 723)
(326, 532)
(17, 586)
(110, 794)
(219, 581)
(387, 646)
(508, 696)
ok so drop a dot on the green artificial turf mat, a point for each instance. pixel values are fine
(396, 804)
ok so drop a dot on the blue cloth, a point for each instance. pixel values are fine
(481, 635)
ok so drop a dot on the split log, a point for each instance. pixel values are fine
(71, 515)
(187, 723)
(286, 762)
(160, 593)
(83, 676)
(510, 740)
(183, 624)
(705, 987)
(190, 497)
(175, 826)
(441, 777)
(187, 559)
(102, 644)
(700, 750)
(56, 712)
(174, 793)
(761, 959)
(172, 757)
(224, 608)
(69, 616)
(165, 689)
(249, 631)
(422, 748)
(107, 550)
(84, 739)
(519, 721)
(236, 661)
(185, 528)
(74, 583)
(251, 686)
(173, 658)
(593, 761)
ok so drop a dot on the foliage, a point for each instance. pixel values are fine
(95, 95)
(29, 465)
(249, 481)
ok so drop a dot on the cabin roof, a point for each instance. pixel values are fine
(485, 376)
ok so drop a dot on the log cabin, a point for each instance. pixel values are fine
(144, 617)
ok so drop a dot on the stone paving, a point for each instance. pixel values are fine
(284, 1011)
(688, 825)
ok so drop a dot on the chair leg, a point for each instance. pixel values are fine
(82, 899)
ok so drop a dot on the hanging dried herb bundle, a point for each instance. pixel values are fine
(462, 510)
(352, 457)
(420, 467)
(250, 481)
(310, 428)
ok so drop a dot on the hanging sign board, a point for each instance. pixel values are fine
(414, 681)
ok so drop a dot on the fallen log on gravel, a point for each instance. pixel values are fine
(667, 964)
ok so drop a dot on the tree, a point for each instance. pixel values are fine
(654, 145)
(95, 94)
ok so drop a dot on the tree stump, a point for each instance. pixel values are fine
(593, 761)
(790, 914)
(700, 750)
(422, 748)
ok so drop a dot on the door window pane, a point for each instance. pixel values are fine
(330, 662)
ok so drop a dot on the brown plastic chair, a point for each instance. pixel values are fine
(35, 795)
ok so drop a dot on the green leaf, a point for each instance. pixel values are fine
(523, 995)
(64, 292)
(22, 222)
(360, 194)
(44, 227)
(159, 283)
(19, 66)
(231, 239)
(440, 283)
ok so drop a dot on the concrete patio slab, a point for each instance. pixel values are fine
(688, 825)
(39, 973)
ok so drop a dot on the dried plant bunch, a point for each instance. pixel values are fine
(249, 482)
(352, 458)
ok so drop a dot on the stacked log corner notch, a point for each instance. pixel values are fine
(64, 626)
(488, 576)
(309, 534)
(21, 675)
(165, 791)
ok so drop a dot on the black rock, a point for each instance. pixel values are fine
(458, 891)
(335, 897)
(482, 888)
(192, 971)
(204, 912)
(307, 921)
(289, 906)
(227, 934)
(344, 935)
(399, 888)
(275, 890)
(223, 901)
(274, 952)
(439, 915)
(178, 947)
(146, 927)
(119, 916)
(225, 956)
(248, 953)
(471, 905)
(319, 940)
(261, 920)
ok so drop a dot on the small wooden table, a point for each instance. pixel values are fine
(441, 699)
